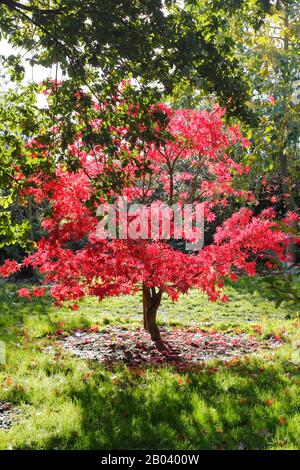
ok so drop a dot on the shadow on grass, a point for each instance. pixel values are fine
(241, 406)
(11, 304)
(216, 408)
(15, 310)
(35, 317)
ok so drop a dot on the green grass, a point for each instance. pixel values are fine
(68, 403)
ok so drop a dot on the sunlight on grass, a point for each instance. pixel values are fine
(253, 402)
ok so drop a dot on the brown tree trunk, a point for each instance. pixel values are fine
(151, 302)
(290, 204)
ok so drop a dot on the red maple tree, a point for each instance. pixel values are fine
(190, 165)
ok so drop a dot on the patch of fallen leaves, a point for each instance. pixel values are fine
(185, 346)
(7, 414)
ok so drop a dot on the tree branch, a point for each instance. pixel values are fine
(14, 5)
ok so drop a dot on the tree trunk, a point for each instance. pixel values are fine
(151, 302)
(290, 204)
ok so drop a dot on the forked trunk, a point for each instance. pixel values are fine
(151, 302)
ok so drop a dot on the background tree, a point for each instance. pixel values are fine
(20, 119)
(158, 43)
(271, 57)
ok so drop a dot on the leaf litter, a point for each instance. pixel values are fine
(8, 413)
(135, 347)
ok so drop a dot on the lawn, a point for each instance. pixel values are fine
(64, 402)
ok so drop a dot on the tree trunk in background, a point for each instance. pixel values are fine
(30, 216)
(284, 164)
(290, 204)
(151, 302)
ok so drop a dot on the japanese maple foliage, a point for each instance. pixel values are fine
(191, 164)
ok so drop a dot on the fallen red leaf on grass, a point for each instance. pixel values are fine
(58, 332)
(282, 420)
(257, 329)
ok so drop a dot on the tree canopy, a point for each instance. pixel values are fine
(159, 43)
(189, 163)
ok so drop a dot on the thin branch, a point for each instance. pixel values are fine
(13, 5)
(5, 172)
